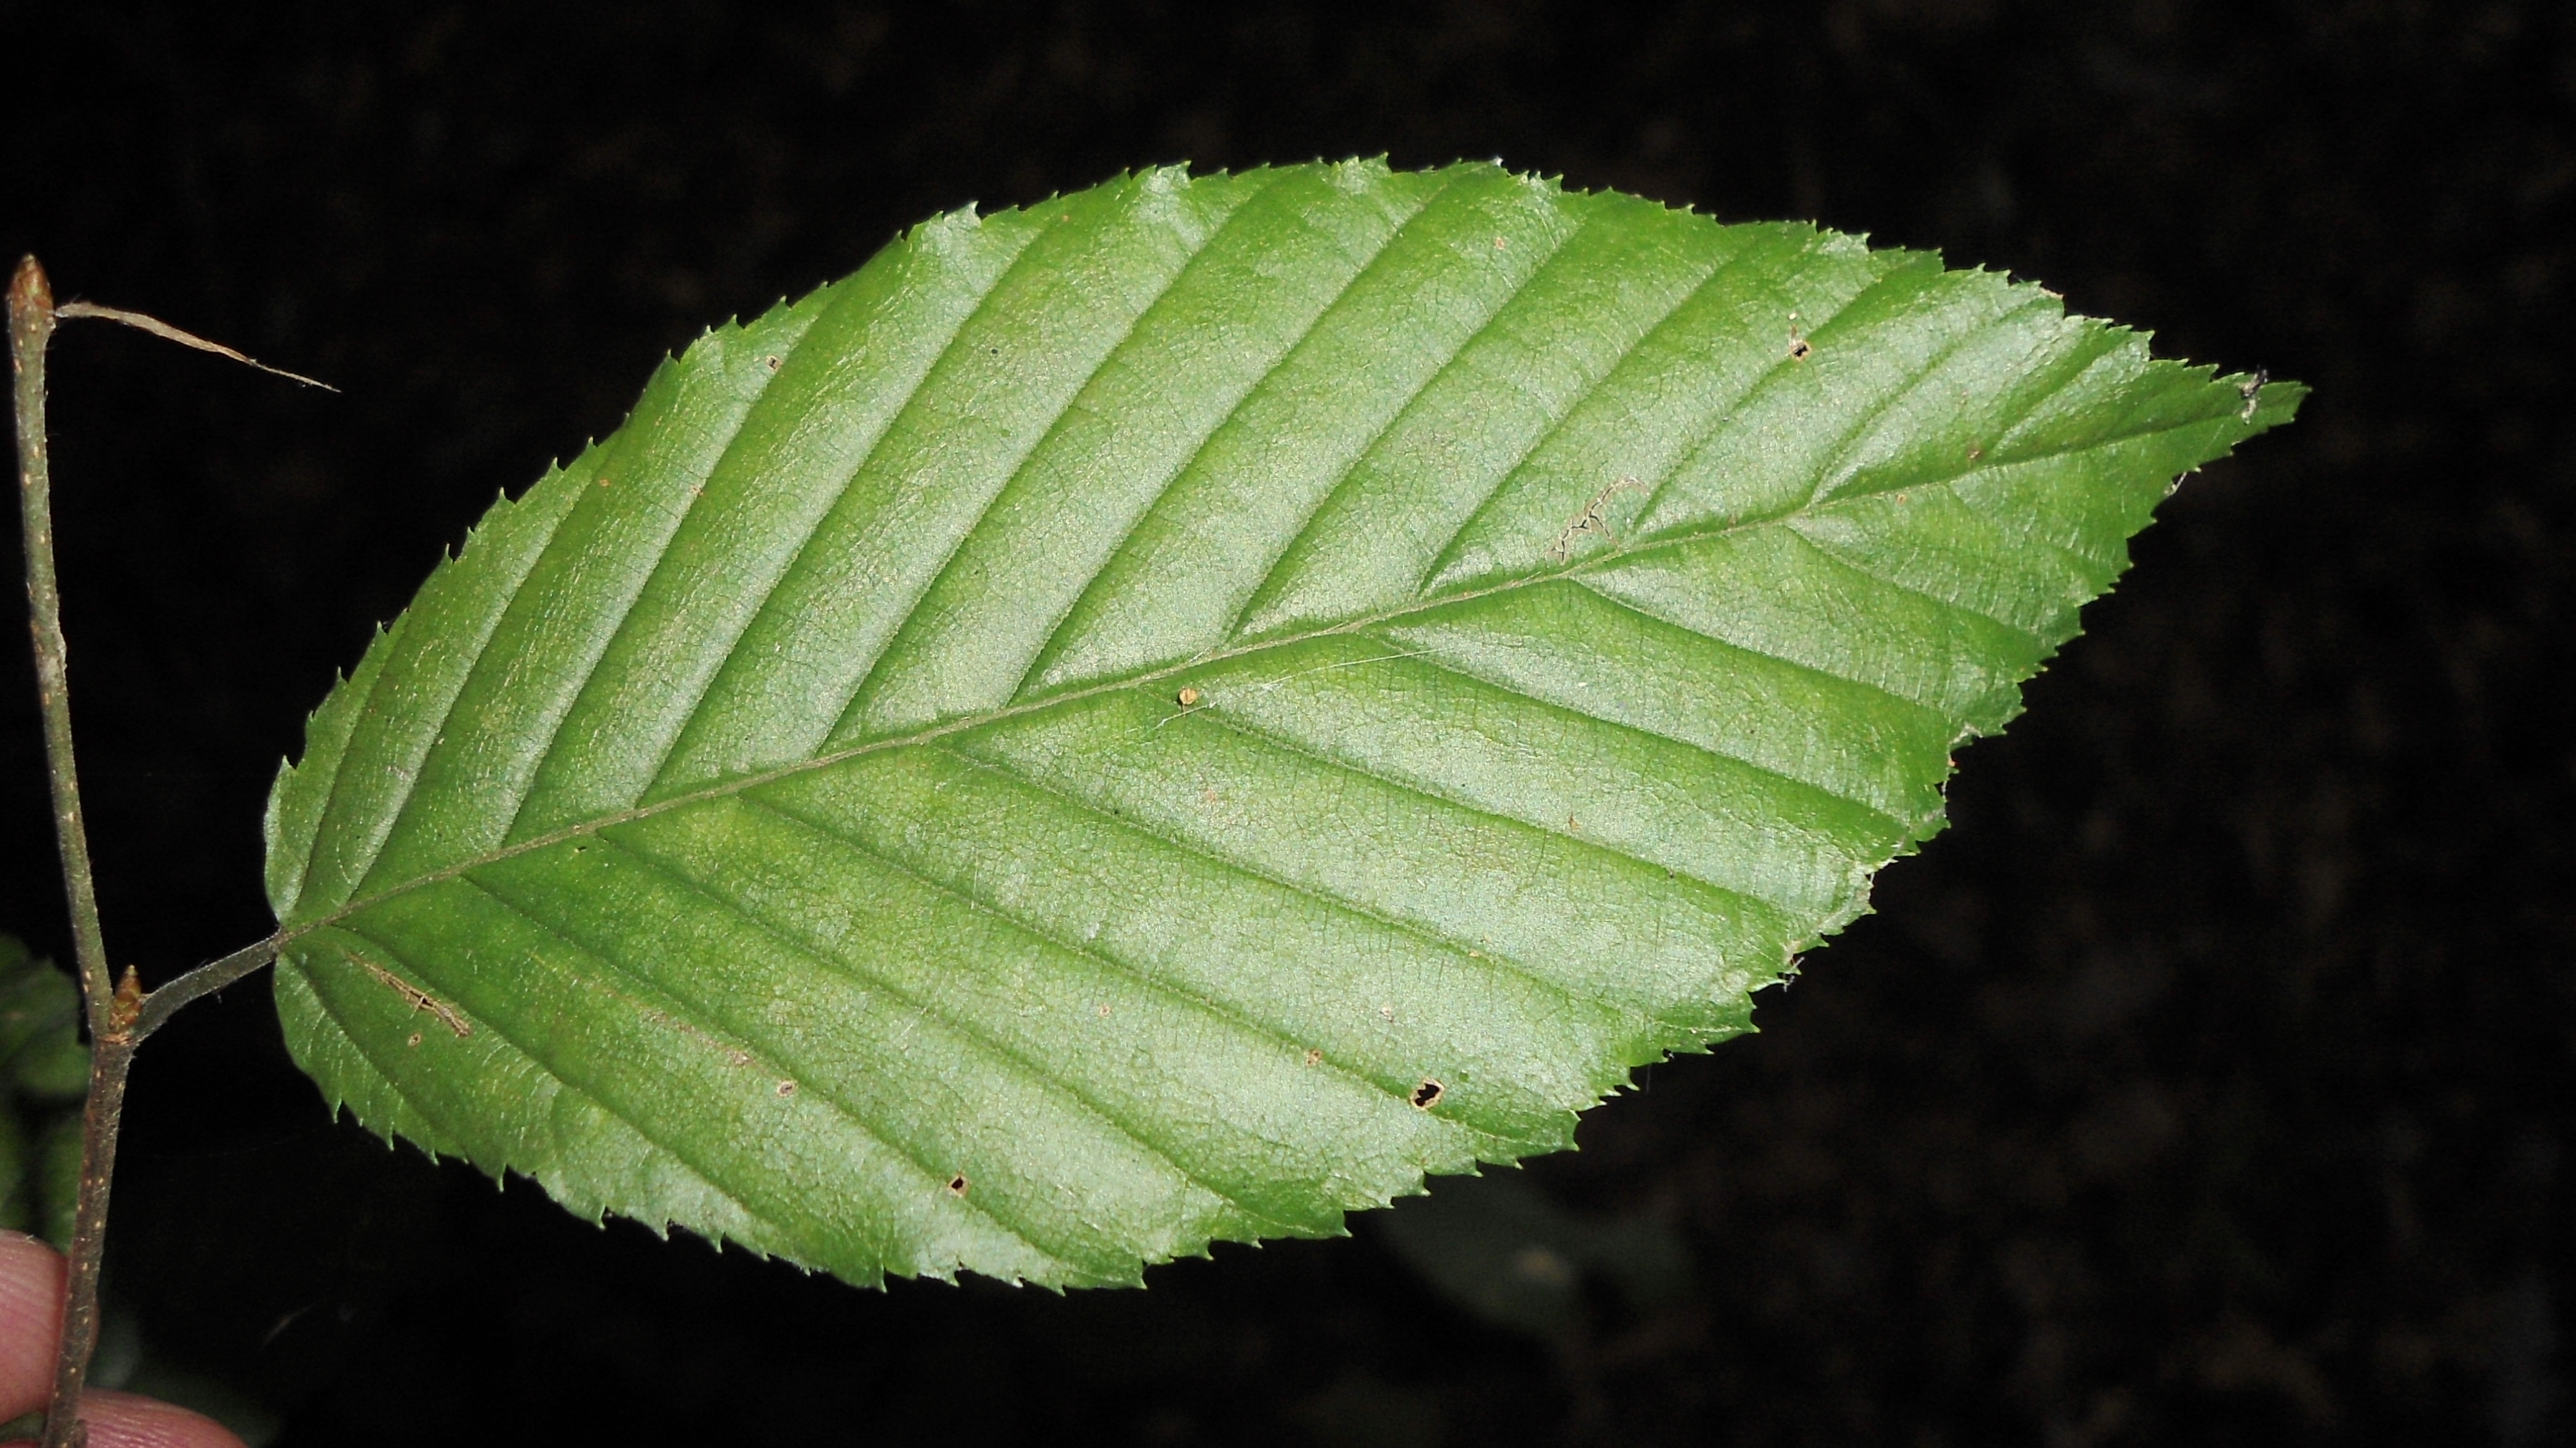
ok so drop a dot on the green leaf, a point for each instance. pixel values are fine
(56, 1179)
(1498, 1247)
(1169, 714)
(41, 1052)
(53, 1070)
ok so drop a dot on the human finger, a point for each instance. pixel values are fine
(31, 1316)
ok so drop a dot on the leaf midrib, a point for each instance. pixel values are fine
(726, 788)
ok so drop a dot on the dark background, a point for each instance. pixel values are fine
(2207, 1083)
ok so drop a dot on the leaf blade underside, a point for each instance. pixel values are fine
(1166, 715)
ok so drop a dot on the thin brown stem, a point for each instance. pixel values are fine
(100, 1115)
(68, 311)
(202, 981)
(31, 326)
(121, 1017)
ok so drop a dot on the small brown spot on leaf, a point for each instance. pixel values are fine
(1314, 1057)
(1975, 451)
(786, 1088)
(1386, 1011)
(420, 1000)
(1501, 242)
(1427, 1095)
(1190, 698)
(737, 1058)
(772, 363)
(1595, 518)
(1573, 825)
(603, 482)
(1799, 347)
(1104, 1010)
(957, 1185)
(415, 1039)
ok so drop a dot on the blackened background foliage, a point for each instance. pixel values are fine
(2207, 1083)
